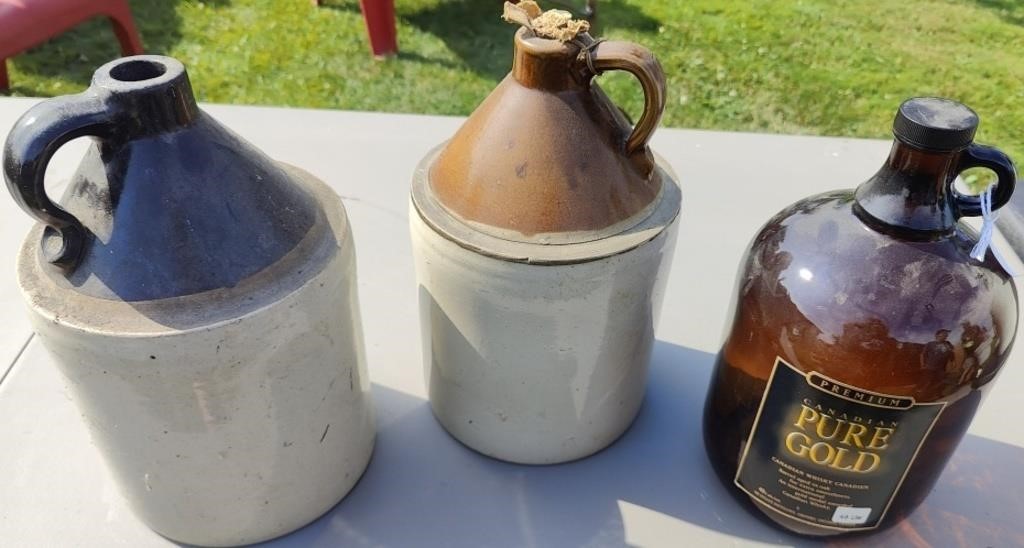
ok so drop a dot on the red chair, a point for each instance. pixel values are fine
(28, 23)
(379, 16)
(380, 25)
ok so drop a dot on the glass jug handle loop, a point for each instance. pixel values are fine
(1006, 177)
(641, 63)
(35, 138)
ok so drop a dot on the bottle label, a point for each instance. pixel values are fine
(829, 454)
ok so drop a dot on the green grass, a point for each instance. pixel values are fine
(824, 67)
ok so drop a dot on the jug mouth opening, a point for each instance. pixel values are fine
(136, 70)
(139, 72)
(529, 42)
(155, 88)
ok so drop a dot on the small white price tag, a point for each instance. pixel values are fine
(849, 515)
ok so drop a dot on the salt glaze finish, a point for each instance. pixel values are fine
(875, 288)
(539, 363)
(227, 415)
(543, 234)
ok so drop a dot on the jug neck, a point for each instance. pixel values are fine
(912, 189)
(152, 93)
(543, 64)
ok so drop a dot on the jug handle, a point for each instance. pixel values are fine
(1006, 178)
(36, 136)
(641, 63)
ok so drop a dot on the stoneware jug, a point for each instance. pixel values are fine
(542, 233)
(200, 300)
(868, 325)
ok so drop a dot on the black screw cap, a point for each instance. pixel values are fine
(934, 123)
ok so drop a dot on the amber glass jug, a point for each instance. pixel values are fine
(864, 336)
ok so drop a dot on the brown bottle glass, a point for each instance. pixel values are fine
(875, 291)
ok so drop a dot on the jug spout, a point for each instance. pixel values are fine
(914, 190)
(153, 88)
(540, 63)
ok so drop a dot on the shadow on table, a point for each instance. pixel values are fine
(979, 501)
(423, 487)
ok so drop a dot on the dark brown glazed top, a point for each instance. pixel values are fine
(547, 152)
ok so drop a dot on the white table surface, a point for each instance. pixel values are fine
(654, 487)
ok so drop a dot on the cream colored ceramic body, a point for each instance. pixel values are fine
(540, 363)
(230, 416)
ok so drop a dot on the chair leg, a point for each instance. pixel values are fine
(5, 84)
(380, 25)
(124, 28)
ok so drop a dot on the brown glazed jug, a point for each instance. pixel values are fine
(547, 156)
(542, 233)
(864, 336)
